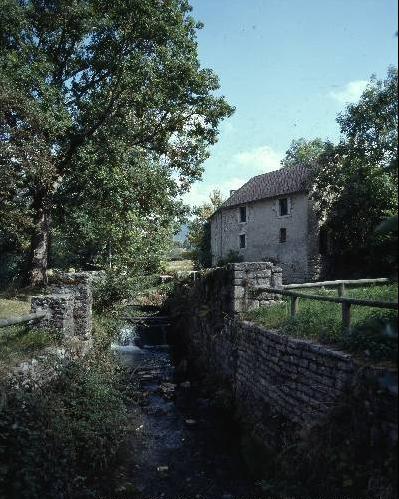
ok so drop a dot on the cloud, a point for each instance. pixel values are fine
(350, 93)
(260, 160)
(200, 191)
(235, 174)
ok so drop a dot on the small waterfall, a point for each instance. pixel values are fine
(128, 340)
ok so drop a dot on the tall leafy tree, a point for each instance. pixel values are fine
(356, 181)
(199, 229)
(97, 86)
(305, 152)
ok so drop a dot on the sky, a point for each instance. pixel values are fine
(288, 67)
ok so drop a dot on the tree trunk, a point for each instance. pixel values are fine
(40, 240)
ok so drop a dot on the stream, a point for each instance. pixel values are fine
(180, 445)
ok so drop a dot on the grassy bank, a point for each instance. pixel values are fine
(372, 333)
(19, 343)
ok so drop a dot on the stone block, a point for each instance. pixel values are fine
(60, 312)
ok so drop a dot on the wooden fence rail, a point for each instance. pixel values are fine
(346, 303)
(339, 284)
(12, 321)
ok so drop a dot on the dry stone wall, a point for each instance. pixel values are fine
(69, 306)
(272, 377)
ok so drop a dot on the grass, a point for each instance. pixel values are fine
(179, 266)
(372, 333)
(9, 308)
(18, 343)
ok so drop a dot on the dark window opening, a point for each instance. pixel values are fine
(243, 214)
(283, 235)
(283, 206)
(243, 241)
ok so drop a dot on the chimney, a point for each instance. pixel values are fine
(232, 191)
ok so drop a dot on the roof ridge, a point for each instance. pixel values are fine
(285, 180)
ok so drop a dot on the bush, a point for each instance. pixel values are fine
(232, 257)
(54, 439)
(113, 288)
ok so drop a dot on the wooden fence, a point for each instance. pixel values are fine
(346, 303)
(12, 321)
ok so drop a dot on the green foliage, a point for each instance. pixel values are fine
(232, 256)
(305, 152)
(199, 230)
(55, 439)
(113, 288)
(9, 308)
(106, 117)
(371, 333)
(20, 343)
(355, 182)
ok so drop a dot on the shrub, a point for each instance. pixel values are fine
(114, 287)
(54, 439)
(232, 257)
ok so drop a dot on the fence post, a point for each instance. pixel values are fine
(341, 290)
(346, 314)
(294, 305)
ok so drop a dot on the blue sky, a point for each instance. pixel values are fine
(288, 66)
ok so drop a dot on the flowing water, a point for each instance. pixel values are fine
(180, 445)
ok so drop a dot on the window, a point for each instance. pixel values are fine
(243, 241)
(243, 214)
(283, 235)
(283, 206)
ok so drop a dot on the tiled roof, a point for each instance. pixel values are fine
(277, 183)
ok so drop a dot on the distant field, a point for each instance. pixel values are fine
(372, 332)
(179, 266)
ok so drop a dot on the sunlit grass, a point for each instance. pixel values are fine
(9, 308)
(179, 266)
(371, 331)
(20, 342)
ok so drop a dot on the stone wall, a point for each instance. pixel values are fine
(69, 305)
(227, 290)
(69, 312)
(280, 386)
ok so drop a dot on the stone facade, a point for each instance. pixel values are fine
(298, 255)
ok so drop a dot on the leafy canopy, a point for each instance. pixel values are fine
(100, 102)
(355, 181)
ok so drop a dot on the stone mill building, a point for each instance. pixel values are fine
(272, 218)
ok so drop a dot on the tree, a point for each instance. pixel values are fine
(356, 181)
(199, 229)
(305, 152)
(88, 83)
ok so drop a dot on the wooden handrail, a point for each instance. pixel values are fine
(333, 299)
(345, 302)
(11, 321)
(339, 282)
